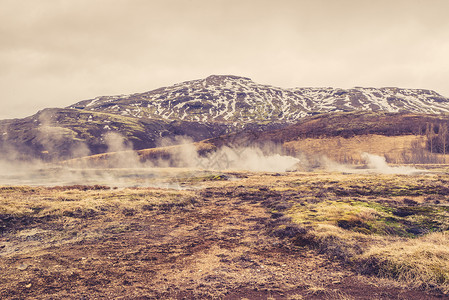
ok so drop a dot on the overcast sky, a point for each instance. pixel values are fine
(54, 53)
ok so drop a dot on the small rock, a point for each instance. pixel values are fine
(28, 285)
(23, 267)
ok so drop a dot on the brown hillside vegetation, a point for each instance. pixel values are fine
(257, 236)
(348, 150)
(401, 138)
(358, 123)
(405, 149)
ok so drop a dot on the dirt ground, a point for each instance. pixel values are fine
(217, 248)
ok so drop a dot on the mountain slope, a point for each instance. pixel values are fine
(239, 100)
(64, 133)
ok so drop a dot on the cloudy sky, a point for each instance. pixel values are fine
(56, 52)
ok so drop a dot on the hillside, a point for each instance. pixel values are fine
(344, 125)
(343, 137)
(401, 138)
(64, 133)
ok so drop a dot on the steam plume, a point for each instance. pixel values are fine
(374, 164)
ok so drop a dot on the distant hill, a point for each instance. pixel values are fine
(204, 109)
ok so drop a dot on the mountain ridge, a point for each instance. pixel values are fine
(234, 99)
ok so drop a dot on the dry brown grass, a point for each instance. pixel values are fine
(36, 218)
(360, 220)
(370, 222)
(398, 149)
(421, 262)
(41, 202)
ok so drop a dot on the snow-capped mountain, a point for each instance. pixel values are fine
(239, 100)
(199, 109)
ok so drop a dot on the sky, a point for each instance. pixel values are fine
(54, 53)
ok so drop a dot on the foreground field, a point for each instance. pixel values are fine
(232, 236)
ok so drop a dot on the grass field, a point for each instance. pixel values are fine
(231, 235)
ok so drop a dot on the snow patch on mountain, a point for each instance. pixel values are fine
(233, 99)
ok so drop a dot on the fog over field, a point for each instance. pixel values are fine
(123, 167)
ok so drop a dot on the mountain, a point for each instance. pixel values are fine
(239, 100)
(200, 109)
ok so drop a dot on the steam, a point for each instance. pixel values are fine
(379, 164)
(124, 155)
(265, 158)
(116, 142)
(249, 159)
(123, 167)
(374, 164)
(17, 170)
